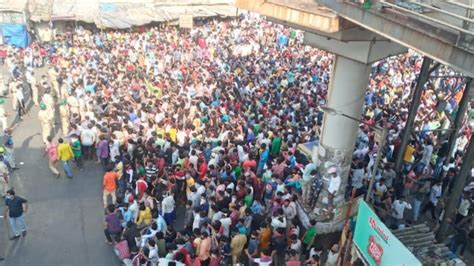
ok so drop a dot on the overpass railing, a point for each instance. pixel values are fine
(417, 10)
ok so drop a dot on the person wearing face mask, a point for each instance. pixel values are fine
(15, 208)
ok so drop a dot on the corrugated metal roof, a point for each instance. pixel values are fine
(125, 14)
(419, 239)
(13, 5)
(83, 10)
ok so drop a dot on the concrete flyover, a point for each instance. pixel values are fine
(356, 49)
(431, 35)
(445, 33)
(359, 37)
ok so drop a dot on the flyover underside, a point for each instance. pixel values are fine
(404, 31)
(319, 19)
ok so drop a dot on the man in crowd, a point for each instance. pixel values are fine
(15, 208)
(219, 112)
(65, 155)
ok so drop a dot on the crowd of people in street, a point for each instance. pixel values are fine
(204, 124)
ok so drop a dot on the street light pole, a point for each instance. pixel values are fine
(383, 136)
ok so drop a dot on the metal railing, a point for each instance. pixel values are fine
(425, 17)
(417, 8)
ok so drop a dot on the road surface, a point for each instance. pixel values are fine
(65, 216)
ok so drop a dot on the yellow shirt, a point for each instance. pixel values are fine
(173, 133)
(144, 217)
(189, 183)
(64, 152)
(407, 157)
(160, 132)
(197, 122)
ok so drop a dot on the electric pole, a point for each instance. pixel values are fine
(460, 114)
(459, 183)
(415, 104)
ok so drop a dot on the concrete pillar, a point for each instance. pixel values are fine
(347, 88)
(355, 51)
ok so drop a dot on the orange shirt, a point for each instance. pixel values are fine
(264, 238)
(205, 249)
(110, 179)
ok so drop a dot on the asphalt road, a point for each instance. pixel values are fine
(65, 216)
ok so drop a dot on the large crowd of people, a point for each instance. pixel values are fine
(204, 124)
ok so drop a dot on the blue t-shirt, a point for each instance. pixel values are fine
(90, 88)
(15, 206)
(283, 40)
(127, 215)
(9, 141)
(132, 116)
(253, 245)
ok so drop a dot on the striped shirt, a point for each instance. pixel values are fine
(150, 172)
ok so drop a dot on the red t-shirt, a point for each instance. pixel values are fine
(141, 186)
(3, 53)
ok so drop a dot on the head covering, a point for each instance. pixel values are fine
(2, 150)
(42, 106)
(62, 102)
(2, 100)
(332, 170)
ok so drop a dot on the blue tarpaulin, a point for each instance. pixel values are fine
(15, 34)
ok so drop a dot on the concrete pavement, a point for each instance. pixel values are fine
(65, 216)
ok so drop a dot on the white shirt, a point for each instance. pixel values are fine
(3, 169)
(216, 216)
(153, 255)
(181, 137)
(133, 207)
(226, 222)
(334, 184)
(147, 236)
(399, 207)
(332, 258)
(296, 246)
(163, 261)
(2, 112)
(87, 137)
(262, 263)
(427, 152)
(19, 95)
(435, 194)
(290, 211)
(464, 207)
(193, 159)
(168, 204)
(276, 223)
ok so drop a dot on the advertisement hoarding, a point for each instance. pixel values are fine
(376, 243)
